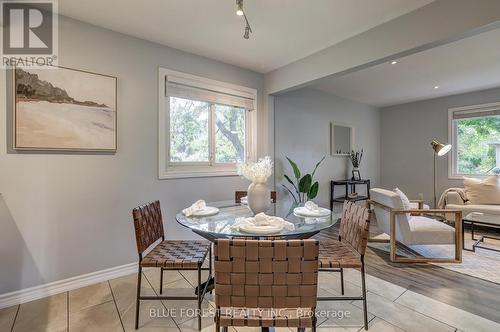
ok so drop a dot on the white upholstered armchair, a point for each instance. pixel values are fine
(414, 226)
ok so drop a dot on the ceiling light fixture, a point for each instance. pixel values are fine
(394, 62)
(241, 12)
(436, 87)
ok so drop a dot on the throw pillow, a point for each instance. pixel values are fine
(485, 191)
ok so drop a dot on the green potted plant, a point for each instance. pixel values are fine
(303, 188)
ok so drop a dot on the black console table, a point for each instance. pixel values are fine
(350, 187)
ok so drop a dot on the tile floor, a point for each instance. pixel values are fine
(110, 306)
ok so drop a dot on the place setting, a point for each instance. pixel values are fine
(200, 209)
(262, 224)
(312, 213)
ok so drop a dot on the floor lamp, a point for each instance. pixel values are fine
(440, 149)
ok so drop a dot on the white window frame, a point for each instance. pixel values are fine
(175, 170)
(452, 137)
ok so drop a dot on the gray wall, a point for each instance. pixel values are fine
(302, 132)
(408, 129)
(64, 215)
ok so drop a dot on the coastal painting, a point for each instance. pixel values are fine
(64, 109)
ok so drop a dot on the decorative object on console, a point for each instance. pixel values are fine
(440, 149)
(64, 109)
(355, 157)
(258, 192)
(304, 186)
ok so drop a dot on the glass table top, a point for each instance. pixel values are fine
(219, 225)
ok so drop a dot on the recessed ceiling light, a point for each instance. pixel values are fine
(394, 62)
(436, 87)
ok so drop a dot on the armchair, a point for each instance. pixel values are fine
(415, 227)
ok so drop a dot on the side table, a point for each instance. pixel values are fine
(350, 187)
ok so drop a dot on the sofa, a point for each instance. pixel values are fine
(480, 197)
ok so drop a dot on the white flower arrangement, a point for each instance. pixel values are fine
(257, 172)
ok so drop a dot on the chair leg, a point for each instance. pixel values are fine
(199, 298)
(161, 280)
(363, 286)
(342, 281)
(210, 263)
(138, 302)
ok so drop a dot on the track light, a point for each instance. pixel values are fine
(239, 11)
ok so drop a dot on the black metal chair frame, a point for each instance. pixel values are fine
(349, 298)
(200, 295)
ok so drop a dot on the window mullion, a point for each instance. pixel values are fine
(211, 133)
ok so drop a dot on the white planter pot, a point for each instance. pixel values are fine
(259, 197)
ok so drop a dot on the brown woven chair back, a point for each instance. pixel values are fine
(239, 194)
(148, 224)
(355, 226)
(266, 274)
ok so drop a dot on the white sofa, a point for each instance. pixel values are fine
(455, 202)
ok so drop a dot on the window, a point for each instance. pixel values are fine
(206, 126)
(475, 136)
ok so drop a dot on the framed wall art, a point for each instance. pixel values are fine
(64, 109)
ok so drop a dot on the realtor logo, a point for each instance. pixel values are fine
(29, 36)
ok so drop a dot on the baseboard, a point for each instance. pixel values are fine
(60, 286)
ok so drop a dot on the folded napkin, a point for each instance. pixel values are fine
(311, 206)
(199, 205)
(263, 219)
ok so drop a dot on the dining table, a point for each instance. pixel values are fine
(218, 225)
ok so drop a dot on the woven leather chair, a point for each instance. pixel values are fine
(266, 283)
(239, 194)
(166, 255)
(348, 251)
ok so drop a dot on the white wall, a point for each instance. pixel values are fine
(408, 129)
(64, 215)
(302, 132)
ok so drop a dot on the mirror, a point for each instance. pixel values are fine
(341, 139)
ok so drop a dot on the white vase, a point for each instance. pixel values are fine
(259, 197)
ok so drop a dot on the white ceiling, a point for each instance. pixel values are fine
(469, 64)
(284, 30)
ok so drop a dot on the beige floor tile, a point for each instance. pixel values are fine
(342, 314)
(446, 313)
(192, 276)
(379, 325)
(191, 324)
(102, 317)
(169, 276)
(153, 317)
(374, 284)
(48, 314)
(257, 329)
(125, 290)
(401, 316)
(7, 316)
(331, 282)
(89, 296)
